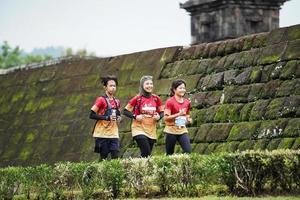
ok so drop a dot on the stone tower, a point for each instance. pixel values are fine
(213, 20)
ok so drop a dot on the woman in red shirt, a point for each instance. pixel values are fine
(176, 116)
(106, 112)
(145, 109)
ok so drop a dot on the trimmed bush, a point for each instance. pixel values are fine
(246, 173)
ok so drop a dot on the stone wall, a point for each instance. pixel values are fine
(245, 94)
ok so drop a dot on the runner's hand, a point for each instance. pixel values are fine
(139, 117)
(156, 116)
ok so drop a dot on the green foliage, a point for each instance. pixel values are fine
(10, 57)
(246, 173)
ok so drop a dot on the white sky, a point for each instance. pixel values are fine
(107, 27)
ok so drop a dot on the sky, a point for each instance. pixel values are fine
(106, 27)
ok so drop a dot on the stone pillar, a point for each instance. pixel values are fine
(213, 20)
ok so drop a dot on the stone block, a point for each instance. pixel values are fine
(271, 54)
(230, 75)
(292, 51)
(236, 94)
(266, 73)
(273, 144)
(256, 92)
(211, 148)
(246, 145)
(261, 144)
(296, 145)
(270, 89)
(211, 82)
(289, 70)
(245, 112)
(200, 148)
(271, 129)
(292, 129)
(243, 131)
(286, 143)
(274, 109)
(202, 133)
(259, 109)
(218, 132)
(243, 77)
(228, 113)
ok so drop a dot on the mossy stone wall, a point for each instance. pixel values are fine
(245, 94)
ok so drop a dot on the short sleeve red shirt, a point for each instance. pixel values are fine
(173, 106)
(148, 107)
(102, 105)
(103, 128)
(145, 105)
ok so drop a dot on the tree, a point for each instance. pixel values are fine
(10, 57)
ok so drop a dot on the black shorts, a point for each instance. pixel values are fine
(112, 144)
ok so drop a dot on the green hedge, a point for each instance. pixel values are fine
(246, 173)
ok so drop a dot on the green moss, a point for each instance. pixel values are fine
(200, 148)
(204, 115)
(286, 143)
(74, 99)
(231, 146)
(245, 112)
(288, 71)
(270, 59)
(162, 86)
(9, 153)
(31, 136)
(17, 96)
(31, 106)
(292, 51)
(273, 144)
(211, 148)
(236, 94)
(255, 75)
(91, 81)
(5, 107)
(293, 128)
(63, 127)
(202, 132)
(246, 145)
(45, 103)
(70, 110)
(192, 132)
(259, 109)
(261, 144)
(293, 33)
(228, 113)
(16, 138)
(25, 152)
(259, 40)
(276, 36)
(273, 110)
(129, 61)
(200, 116)
(296, 145)
(218, 132)
(243, 131)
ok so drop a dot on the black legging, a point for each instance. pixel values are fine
(104, 146)
(145, 144)
(105, 151)
(183, 140)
